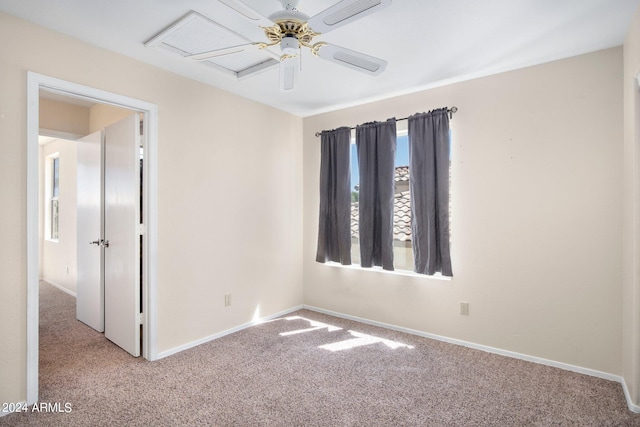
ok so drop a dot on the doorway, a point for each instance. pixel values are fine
(91, 213)
(148, 112)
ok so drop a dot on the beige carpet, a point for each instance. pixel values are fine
(306, 369)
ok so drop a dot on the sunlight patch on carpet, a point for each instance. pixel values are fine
(359, 339)
(315, 326)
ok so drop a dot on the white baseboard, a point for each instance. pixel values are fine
(62, 288)
(632, 406)
(513, 354)
(195, 343)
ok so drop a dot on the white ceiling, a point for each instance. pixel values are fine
(427, 43)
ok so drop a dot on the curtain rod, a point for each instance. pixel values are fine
(451, 111)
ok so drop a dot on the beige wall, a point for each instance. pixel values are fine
(536, 216)
(213, 238)
(103, 115)
(62, 117)
(631, 222)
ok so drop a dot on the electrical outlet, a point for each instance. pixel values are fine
(66, 270)
(464, 308)
(227, 300)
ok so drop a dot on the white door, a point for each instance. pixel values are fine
(121, 234)
(90, 286)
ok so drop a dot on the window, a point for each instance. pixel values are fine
(54, 202)
(402, 245)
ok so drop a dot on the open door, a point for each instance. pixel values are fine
(90, 284)
(122, 234)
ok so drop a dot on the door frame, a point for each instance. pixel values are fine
(36, 82)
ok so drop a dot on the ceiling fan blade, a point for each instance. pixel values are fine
(352, 59)
(344, 12)
(289, 72)
(219, 52)
(247, 11)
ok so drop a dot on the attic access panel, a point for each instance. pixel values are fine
(195, 33)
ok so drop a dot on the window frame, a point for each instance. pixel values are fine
(52, 198)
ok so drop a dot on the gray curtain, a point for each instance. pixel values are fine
(376, 144)
(334, 230)
(429, 148)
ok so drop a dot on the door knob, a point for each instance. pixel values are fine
(95, 242)
(105, 243)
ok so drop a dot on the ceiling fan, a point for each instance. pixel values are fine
(292, 30)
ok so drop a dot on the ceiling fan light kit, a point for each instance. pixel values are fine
(289, 29)
(290, 45)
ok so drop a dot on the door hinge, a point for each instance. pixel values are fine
(141, 229)
(140, 319)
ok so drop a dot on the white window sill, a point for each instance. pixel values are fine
(51, 240)
(437, 276)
